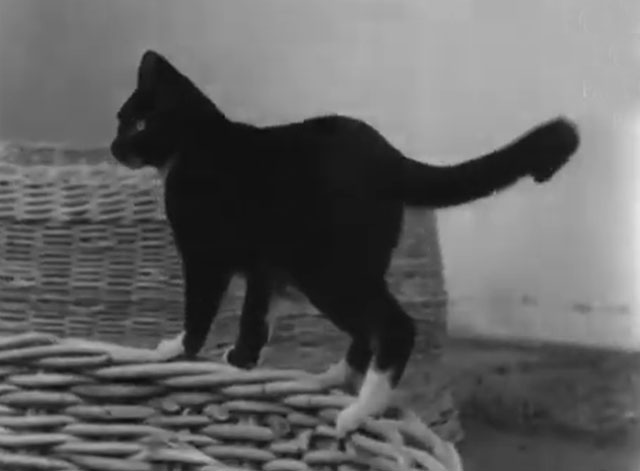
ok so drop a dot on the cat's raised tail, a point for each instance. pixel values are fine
(539, 153)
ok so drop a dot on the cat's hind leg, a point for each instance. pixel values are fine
(392, 338)
(349, 372)
(338, 302)
(382, 340)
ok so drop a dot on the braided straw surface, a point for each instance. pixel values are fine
(88, 405)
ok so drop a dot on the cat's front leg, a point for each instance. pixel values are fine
(206, 280)
(253, 330)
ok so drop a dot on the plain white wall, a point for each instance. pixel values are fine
(443, 79)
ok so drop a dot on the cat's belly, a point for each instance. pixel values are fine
(282, 283)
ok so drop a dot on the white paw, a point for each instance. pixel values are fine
(349, 419)
(170, 348)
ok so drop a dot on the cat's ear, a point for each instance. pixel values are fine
(154, 70)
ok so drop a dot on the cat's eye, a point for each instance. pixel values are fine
(140, 125)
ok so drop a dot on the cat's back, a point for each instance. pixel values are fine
(314, 129)
(334, 153)
(319, 144)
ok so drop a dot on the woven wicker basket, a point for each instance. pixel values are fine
(85, 405)
(85, 252)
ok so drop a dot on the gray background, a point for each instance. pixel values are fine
(443, 79)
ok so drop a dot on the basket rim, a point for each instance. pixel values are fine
(31, 153)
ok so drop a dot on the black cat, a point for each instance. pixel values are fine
(317, 204)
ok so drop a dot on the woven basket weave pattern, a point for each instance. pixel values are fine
(81, 405)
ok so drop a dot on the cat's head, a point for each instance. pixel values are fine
(154, 121)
